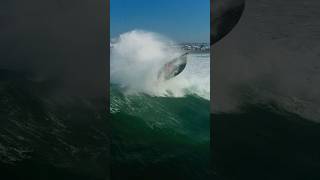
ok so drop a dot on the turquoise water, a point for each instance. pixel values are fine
(159, 137)
(159, 129)
(162, 130)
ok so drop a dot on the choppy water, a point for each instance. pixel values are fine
(159, 136)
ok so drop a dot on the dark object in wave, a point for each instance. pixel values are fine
(225, 15)
(173, 68)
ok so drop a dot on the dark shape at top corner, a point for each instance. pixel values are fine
(225, 14)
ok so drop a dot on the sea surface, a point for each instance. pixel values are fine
(165, 135)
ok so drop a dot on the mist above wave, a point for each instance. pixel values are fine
(136, 58)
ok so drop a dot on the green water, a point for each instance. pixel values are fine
(159, 137)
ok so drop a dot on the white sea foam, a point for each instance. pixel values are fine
(137, 56)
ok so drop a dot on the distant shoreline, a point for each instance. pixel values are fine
(190, 47)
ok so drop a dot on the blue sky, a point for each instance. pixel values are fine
(179, 20)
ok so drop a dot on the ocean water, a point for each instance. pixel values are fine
(160, 130)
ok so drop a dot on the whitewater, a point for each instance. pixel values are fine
(137, 56)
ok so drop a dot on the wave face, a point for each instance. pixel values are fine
(159, 129)
(45, 135)
(265, 141)
(159, 137)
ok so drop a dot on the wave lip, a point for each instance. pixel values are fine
(137, 56)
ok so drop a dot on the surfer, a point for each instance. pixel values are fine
(225, 16)
(173, 68)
